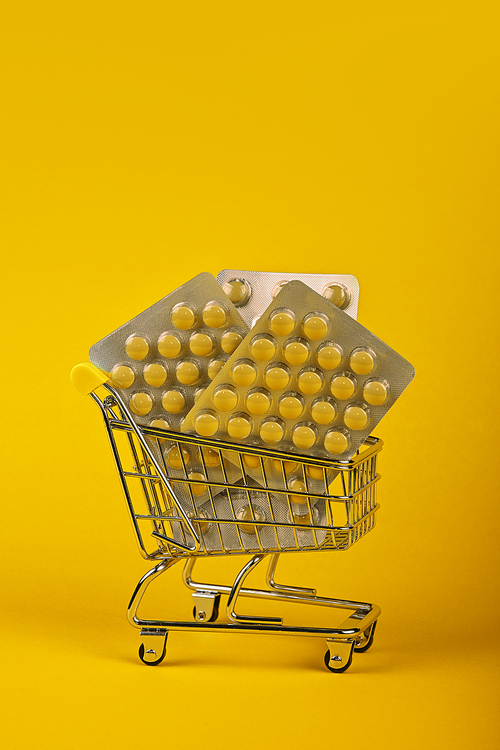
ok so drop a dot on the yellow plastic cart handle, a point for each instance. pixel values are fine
(86, 377)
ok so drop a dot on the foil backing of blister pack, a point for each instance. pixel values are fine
(308, 379)
(161, 360)
(253, 291)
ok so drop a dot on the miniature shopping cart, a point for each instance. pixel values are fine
(170, 526)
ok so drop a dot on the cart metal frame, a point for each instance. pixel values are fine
(162, 511)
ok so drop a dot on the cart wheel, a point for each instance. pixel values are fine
(369, 643)
(339, 669)
(147, 655)
(215, 611)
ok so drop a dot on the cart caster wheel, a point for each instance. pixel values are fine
(369, 643)
(342, 667)
(148, 651)
(199, 614)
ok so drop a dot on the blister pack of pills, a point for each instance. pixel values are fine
(305, 480)
(253, 291)
(163, 359)
(260, 514)
(307, 379)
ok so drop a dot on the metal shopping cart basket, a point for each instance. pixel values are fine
(239, 515)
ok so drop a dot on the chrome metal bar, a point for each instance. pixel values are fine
(140, 590)
(235, 590)
(273, 562)
(278, 596)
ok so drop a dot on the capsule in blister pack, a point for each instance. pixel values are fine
(308, 379)
(253, 291)
(163, 359)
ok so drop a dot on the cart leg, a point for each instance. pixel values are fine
(141, 587)
(280, 586)
(231, 602)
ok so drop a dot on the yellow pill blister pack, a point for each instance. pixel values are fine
(253, 291)
(307, 379)
(161, 361)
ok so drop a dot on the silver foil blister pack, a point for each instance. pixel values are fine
(161, 360)
(307, 379)
(253, 291)
(259, 514)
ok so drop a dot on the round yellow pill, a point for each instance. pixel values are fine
(187, 373)
(191, 514)
(315, 327)
(298, 486)
(183, 317)
(169, 345)
(173, 402)
(315, 472)
(337, 295)
(290, 407)
(251, 461)
(230, 341)
(271, 432)
(238, 291)
(210, 456)
(310, 382)
(136, 347)
(201, 344)
(277, 378)
(160, 424)
(355, 417)
(214, 316)
(239, 427)
(296, 352)
(206, 424)
(155, 375)
(329, 357)
(245, 514)
(141, 404)
(225, 399)
(258, 402)
(122, 376)
(342, 387)
(288, 466)
(304, 519)
(174, 459)
(244, 373)
(215, 367)
(199, 392)
(263, 349)
(335, 442)
(197, 489)
(282, 323)
(375, 392)
(303, 436)
(361, 362)
(323, 412)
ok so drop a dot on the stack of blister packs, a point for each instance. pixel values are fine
(269, 360)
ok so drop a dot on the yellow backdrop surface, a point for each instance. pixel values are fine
(143, 144)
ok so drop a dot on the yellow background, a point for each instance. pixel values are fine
(143, 144)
